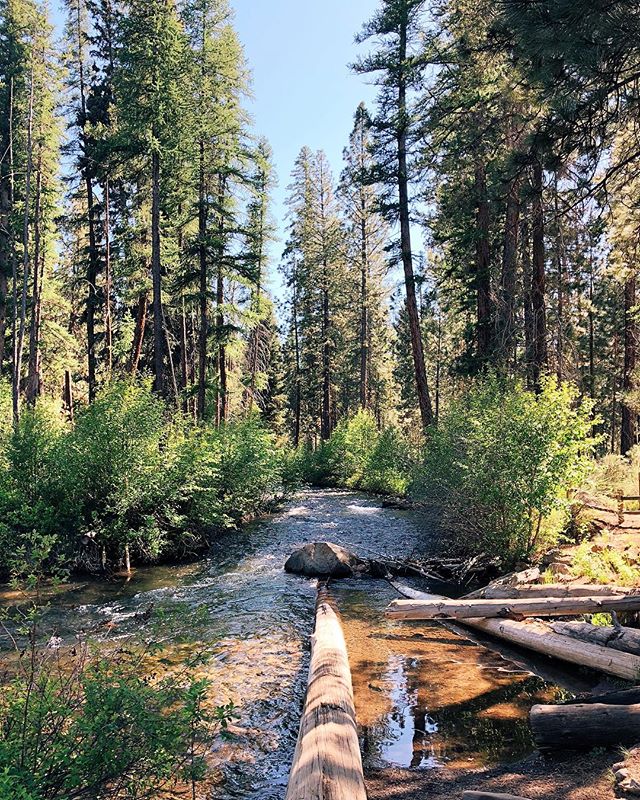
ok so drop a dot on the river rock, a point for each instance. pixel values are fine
(320, 559)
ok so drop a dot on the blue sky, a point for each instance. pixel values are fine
(304, 92)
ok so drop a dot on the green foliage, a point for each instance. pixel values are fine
(501, 461)
(360, 456)
(128, 474)
(87, 726)
(604, 564)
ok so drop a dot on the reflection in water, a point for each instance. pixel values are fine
(423, 696)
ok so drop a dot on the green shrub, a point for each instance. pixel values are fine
(232, 472)
(88, 726)
(500, 462)
(359, 455)
(130, 474)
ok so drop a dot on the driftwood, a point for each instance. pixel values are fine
(490, 796)
(584, 725)
(327, 762)
(497, 592)
(527, 576)
(545, 607)
(539, 637)
(625, 639)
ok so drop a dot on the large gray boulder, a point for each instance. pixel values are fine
(324, 559)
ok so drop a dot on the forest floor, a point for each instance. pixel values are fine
(561, 777)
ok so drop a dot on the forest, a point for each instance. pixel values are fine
(451, 316)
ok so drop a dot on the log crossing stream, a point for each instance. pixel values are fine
(424, 696)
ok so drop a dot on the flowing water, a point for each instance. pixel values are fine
(425, 697)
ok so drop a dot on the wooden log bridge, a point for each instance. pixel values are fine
(327, 764)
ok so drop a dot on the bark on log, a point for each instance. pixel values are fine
(327, 764)
(584, 725)
(490, 796)
(485, 609)
(625, 639)
(624, 697)
(540, 638)
(546, 590)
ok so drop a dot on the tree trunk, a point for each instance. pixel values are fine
(538, 290)
(68, 394)
(325, 419)
(364, 307)
(108, 319)
(506, 344)
(33, 371)
(628, 429)
(17, 375)
(138, 335)
(584, 725)
(93, 262)
(184, 359)
(203, 299)
(156, 272)
(297, 410)
(221, 411)
(482, 267)
(417, 347)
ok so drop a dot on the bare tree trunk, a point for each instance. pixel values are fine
(417, 347)
(68, 394)
(33, 372)
(538, 280)
(184, 361)
(25, 260)
(628, 429)
(221, 412)
(108, 319)
(482, 267)
(506, 343)
(364, 307)
(93, 264)
(297, 411)
(138, 335)
(203, 300)
(156, 273)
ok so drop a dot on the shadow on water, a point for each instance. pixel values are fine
(424, 696)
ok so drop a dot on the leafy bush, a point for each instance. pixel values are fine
(86, 725)
(233, 472)
(359, 455)
(500, 462)
(130, 474)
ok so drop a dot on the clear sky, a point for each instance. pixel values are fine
(304, 92)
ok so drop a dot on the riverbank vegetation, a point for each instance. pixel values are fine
(129, 480)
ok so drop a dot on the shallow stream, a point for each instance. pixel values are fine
(425, 696)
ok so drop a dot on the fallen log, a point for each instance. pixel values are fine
(546, 590)
(490, 796)
(539, 637)
(623, 697)
(327, 762)
(485, 609)
(584, 725)
(625, 639)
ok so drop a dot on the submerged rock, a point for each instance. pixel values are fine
(320, 559)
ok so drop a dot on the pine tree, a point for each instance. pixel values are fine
(397, 25)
